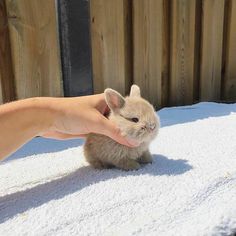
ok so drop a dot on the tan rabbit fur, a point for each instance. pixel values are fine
(137, 120)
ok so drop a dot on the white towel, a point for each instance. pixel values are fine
(190, 189)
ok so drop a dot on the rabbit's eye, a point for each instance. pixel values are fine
(135, 119)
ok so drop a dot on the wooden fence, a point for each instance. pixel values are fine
(29, 59)
(178, 51)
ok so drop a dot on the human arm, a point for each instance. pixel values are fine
(59, 118)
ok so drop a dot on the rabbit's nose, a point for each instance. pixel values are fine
(152, 126)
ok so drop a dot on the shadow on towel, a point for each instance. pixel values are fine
(19, 202)
(43, 145)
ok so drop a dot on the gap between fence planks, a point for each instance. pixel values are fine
(229, 86)
(110, 32)
(1, 97)
(6, 74)
(35, 48)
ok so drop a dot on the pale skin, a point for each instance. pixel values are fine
(58, 118)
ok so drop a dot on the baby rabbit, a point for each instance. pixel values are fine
(137, 120)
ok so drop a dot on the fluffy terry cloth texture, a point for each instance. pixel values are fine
(190, 189)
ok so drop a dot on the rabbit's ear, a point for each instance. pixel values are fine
(135, 91)
(114, 100)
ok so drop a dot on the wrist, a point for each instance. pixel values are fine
(42, 114)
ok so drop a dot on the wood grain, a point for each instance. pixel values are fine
(211, 51)
(182, 57)
(150, 50)
(229, 86)
(6, 71)
(111, 58)
(35, 50)
(154, 43)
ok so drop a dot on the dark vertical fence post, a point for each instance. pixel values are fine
(74, 29)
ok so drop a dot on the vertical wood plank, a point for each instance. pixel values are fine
(229, 86)
(7, 92)
(211, 51)
(150, 51)
(110, 44)
(35, 50)
(182, 55)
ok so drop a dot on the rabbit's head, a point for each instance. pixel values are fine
(135, 116)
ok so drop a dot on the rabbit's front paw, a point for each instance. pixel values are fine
(97, 164)
(146, 158)
(129, 165)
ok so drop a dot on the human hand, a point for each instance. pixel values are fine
(79, 116)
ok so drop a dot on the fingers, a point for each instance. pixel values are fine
(110, 129)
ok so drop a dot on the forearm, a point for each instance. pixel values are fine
(21, 121)
(55, 118)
